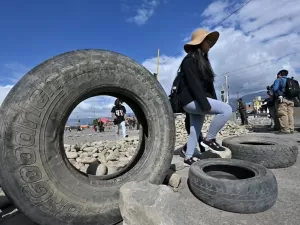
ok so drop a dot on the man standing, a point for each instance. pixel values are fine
(242, 111)
(271, 102)
(284, 103)
(119, 114)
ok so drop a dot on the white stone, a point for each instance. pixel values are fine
(71, 155)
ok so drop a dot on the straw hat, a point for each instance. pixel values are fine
(198, 37)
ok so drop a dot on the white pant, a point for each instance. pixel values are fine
(122, 124)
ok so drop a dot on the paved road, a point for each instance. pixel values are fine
(286, 211)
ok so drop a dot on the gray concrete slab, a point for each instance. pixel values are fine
(286, 211)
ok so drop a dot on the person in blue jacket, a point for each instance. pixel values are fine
(284, 104)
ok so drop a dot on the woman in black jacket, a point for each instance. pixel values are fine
(198, 96)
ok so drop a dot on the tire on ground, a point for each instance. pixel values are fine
(272, 152)
(34, 171)
(233, 185)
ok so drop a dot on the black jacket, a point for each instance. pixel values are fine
(195, 87)
(241, 106)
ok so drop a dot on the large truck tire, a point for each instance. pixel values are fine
(269, 151)
(233, 185)
(34, 170)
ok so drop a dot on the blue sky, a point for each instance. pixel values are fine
(33, 31)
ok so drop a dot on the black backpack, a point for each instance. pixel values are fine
(176, 89)
(292, 88)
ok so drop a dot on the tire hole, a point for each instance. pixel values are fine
(255, 143)
(228, 172)
(98, 145)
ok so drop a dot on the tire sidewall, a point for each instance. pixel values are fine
(33, 169)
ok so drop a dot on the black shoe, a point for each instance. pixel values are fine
(190, 161)
(184, 148)
(202, 149)
(126, 135)
(212, 145)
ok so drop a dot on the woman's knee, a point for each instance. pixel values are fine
(227, 110)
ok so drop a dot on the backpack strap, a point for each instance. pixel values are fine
(284, 86)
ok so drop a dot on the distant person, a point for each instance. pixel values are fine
(242, 111)
(118, 115)
(198, 96)
(254, 112)
(284, 103)
(133, 122)
(101, 126)
(272, 108)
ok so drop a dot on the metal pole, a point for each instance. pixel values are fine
(227, 91)
(157, 64)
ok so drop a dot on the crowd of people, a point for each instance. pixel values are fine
(193, 93)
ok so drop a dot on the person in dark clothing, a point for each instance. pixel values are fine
(118, 114)
(198, 96)
(187, 128)
(242, 111)
(272, 108)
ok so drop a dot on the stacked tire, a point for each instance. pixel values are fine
(243, 184)
(233, 185)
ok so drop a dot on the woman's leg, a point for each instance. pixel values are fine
(223, 113)
(123, 129)
(196, 121)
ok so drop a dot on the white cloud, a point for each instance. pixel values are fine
(4, 91)
(99, 106)
(261, 31)
(144, 12)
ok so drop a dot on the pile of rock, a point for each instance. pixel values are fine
(106, 156)
(230, 129)
(262, 121)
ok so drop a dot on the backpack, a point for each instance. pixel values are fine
(292, 88)
(176, 88)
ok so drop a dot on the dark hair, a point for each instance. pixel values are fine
(283, 72)
(203, 63)
(118, 101)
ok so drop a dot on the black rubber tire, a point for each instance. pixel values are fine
(252, 195)
(34, 171)
(269, 151)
